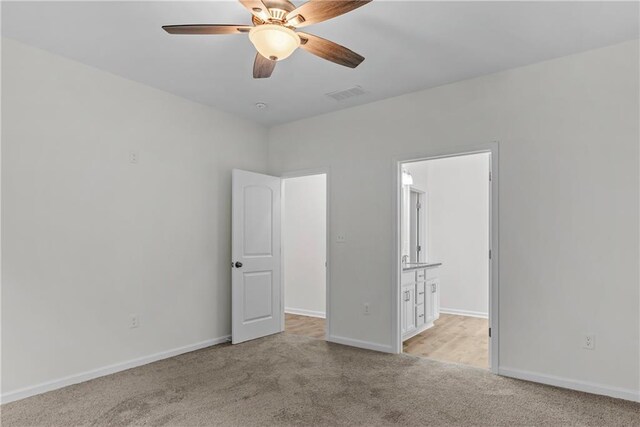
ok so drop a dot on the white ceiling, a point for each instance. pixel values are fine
(408, 46)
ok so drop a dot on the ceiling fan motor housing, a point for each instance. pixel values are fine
(278, 14)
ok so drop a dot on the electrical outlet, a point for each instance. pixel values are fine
(133, 157)
(134, 321)
(366, 308)
(341, 238)
(589, 342)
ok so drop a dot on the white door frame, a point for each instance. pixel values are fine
(494, 294)
(327, 308)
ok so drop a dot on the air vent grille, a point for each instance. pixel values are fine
(341, 95)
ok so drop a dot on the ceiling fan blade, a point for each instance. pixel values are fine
(206, 29)
(329, 50)
(315, 11)
(257, 8)
(262, 67)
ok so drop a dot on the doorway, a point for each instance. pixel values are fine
(446, 252)
(304, 254)
(279, 248)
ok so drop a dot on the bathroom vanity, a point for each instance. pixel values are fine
(420, 286)
(420, 298)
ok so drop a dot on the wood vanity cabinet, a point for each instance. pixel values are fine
(420, 301)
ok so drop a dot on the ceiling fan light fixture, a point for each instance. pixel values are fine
(274, 31)
(273, 41)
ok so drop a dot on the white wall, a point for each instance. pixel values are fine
(458, 228)
(305, 244)
(568, 134)
(90, 238)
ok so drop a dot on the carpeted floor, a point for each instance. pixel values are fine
(292, 380)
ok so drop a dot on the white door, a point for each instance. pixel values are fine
(255, 250)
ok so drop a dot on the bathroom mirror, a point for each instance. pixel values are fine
(413, 226)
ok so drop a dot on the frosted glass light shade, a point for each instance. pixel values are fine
(274, 42)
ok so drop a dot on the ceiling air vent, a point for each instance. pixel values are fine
(341, 95)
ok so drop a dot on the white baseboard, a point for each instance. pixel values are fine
(303, 312)
(464, 312)
(106, 370)
(587, 387)
(360, 344)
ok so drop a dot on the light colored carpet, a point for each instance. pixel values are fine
(292, 380)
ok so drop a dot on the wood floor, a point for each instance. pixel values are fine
(458, 339)
(304, 325)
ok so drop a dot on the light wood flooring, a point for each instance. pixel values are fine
(458, 339)
(304, 325)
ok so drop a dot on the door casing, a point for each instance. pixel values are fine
(494, 282)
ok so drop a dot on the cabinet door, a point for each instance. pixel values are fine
(435, 298)
(405, 297)
(430, 310)
(408, 309)
(411, 309)
(403, 308)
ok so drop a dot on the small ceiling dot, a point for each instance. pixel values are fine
(261, 105)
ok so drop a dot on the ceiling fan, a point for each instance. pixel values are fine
(273, 31)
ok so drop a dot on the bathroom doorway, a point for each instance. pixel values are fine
(446, 247)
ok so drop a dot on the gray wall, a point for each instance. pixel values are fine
(90, 238)
(304, 252)
(568, 135)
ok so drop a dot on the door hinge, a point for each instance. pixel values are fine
(419, 248)
(418, 205)
(489, 253)
(489, 332)
(490, 176)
